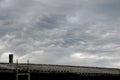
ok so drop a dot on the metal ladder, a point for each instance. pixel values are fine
(23, 73)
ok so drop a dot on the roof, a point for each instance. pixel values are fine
(6, 67)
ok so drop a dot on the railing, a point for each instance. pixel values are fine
(24, 72)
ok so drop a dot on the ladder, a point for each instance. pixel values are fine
(27, 72)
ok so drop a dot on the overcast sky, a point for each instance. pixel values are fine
(65, 32)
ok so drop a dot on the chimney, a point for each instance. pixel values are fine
(10, 58)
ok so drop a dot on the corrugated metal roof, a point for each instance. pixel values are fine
(59, 68)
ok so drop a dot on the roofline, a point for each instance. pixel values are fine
(65, 65)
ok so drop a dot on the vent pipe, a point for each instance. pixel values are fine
(10, 58)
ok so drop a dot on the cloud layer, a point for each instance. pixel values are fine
(75, 32)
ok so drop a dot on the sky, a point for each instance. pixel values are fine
(64, 32)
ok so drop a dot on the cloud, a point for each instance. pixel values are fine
(75, 32)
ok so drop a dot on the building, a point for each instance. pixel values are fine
(26, 71)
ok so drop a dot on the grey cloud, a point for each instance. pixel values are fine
(108, 8)
(51, 31)
(49, 22)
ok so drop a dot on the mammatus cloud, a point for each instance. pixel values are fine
(75, 32)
